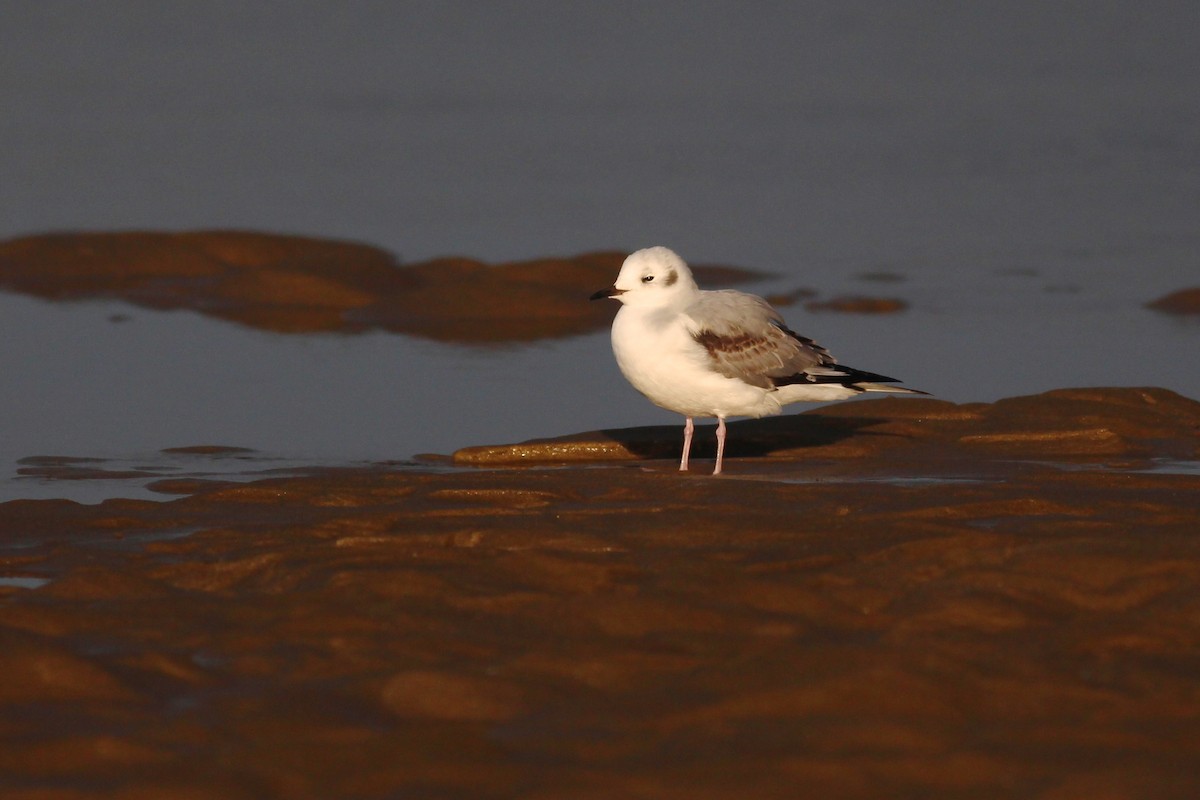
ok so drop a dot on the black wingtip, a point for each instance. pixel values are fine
(861, 376)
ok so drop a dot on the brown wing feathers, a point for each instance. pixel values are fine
(776, 356)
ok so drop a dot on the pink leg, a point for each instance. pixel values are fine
(688, 428)
(720, 444)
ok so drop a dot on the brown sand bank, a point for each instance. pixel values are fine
(1182, 302)
(292, 284)
(858, 304)
(881, 599)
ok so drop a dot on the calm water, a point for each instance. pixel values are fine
(1031, 169)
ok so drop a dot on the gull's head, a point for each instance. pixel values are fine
(656, 276)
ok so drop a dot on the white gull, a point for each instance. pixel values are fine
(718, 353)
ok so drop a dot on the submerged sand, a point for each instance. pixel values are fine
(296, 284)
(881, 599)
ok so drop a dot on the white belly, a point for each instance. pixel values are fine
(673, 371)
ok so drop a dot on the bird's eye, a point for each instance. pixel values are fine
(647, 278)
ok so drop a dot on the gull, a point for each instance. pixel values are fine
(717, 353)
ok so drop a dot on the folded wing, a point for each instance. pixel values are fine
(746, 339)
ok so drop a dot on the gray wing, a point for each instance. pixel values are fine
(747, 339)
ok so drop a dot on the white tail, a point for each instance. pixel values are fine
(887, 387)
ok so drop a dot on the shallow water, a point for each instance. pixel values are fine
(23, 582)
(122, 391)
(1027, 171)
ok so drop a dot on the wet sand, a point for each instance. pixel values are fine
(890, 598)
(295, 284)
(1181, 302)
(881, 599)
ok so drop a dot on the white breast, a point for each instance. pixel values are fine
(659, 357)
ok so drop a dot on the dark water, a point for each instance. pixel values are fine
(1030, 169)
